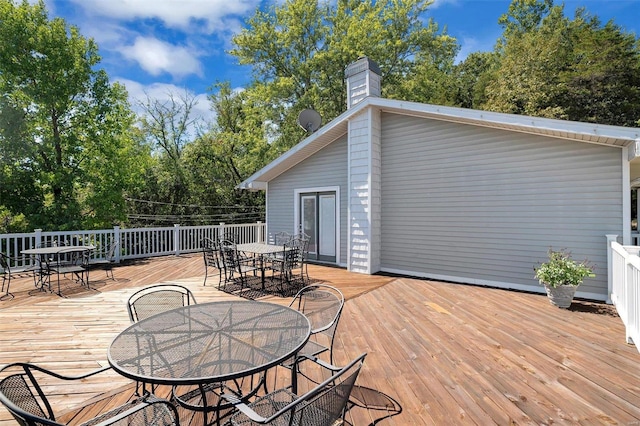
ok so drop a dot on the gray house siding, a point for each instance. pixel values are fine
(478, 205)
(326, 168)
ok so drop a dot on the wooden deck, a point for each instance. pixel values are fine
(445, 353)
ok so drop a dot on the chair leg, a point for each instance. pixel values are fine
(8, 281)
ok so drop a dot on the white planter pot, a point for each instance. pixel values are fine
(561, 296)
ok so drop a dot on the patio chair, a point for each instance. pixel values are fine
(211, 255)
(325, 404)
(281, 238)
(291, 259)
(72, 262)
(23, 394)
(155, 299)
(158, 298)
(322, 304)
(8, 273)
(304, 241)
(107, 259)
(235, 263)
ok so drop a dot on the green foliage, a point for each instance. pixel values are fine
(12, 223)
(560, 269)
(551, 66)
(300, 49)
(65, 128)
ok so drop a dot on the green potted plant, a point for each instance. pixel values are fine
(561, 276)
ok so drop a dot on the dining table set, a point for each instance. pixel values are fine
(60, 261)
(206, 346)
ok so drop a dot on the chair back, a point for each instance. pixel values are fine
(322, 304)
(229, 256)
(158, 298)
(211, 253)
(111, 253)
(281, 238)
(21, 394)
(326, 403)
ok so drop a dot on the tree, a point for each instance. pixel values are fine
(72, 122)
(168, 125)
(551, 66)
(300, 49)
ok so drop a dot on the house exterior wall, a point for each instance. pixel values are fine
(326, 168)
(482, 206)
(363, 239)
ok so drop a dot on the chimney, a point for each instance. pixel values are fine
(363, 79)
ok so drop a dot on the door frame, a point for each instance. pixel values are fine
(296, 211)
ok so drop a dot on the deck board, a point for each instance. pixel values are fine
(447, 353)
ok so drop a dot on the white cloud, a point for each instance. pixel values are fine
(469, 45)
(183, 14)
(437, 3)
(156, 56)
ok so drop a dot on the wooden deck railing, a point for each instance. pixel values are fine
(133, 243)
(625, 288)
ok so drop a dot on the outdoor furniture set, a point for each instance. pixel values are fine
(234, 262)
(215, 356)
(55, 260)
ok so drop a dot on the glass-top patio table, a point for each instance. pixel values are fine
(209, 342)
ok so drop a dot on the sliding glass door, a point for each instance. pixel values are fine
(318, 220)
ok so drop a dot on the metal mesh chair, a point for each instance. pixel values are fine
(24, 397)
(211, 256)
(322, 304)
(324, 404)
(8, 272)
(106, 261)
(234, 263)
(158, 298)
(155, 299)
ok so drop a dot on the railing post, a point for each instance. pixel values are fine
(176, 238)
(38, 238)
(117, 240)
(610, 238)
(259, 232)
(221, 231)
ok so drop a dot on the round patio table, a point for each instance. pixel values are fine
(209, 342)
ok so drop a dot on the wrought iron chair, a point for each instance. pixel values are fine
(281, 238)
(304, 241)
(155, 299)
(23, 394)
(293, 258)
(324, 404)
(236, 264)
(72, 262)
(8, 273)
(158, 298)
(108, 259)
(322, 304)
(211, 255)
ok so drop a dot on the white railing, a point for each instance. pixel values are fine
(625, 287)
(133, 243)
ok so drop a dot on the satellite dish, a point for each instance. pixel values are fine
(309, 120)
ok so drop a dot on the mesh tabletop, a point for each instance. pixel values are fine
(260, 248)
(208, 342)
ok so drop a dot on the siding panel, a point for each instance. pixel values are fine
(328, 167)
(483, 205)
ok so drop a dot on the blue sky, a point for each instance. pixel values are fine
(159, 46)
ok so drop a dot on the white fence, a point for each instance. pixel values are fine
(625, 287)
(133, 243)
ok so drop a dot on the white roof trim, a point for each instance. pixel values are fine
(563, 129)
